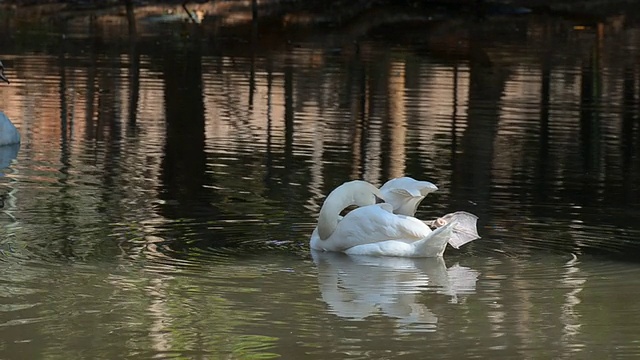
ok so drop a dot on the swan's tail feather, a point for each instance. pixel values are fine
(436, 242)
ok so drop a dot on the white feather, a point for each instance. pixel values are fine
(405, 194)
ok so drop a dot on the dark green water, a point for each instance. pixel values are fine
(161, 202)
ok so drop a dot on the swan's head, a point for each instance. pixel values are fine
(405, 194)
(2, 77)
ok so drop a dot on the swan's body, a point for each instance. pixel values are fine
(9, 135)
(373, 229)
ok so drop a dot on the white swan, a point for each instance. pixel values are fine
(8, 133)
(373, 229)
(406, 193)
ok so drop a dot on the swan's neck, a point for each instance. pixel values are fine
(330, 212)
(356, 192)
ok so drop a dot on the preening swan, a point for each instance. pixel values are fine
(373, 229)
(8, 133)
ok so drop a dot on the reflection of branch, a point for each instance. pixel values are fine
(191, 16)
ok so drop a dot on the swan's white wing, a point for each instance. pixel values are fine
(411, 185)
(405, 194)
(432, 245)
(379, 223)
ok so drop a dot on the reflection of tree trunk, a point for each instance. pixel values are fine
(107, 117)
(64, 126)
(376, 110)
(396, 131)
(254, 12)
(543, 150)
(589, 124)
(269, 160)
(629, 119)
(131, 18)
(65, 204)
(473, 167)
(269, 166)
(316, 177)
(134, 69)
(288, 121)
(254, 46)
(454, 113)
(413, 120)
(91, 93)
(359, 113)
(184, 162)
(134, 85)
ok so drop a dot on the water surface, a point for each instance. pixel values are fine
(161, 202)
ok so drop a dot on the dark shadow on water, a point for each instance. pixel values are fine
(184, 164)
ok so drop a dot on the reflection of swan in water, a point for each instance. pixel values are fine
(356, 287)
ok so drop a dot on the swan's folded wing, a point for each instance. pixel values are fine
(409, 228)
(465, 230)
(378, 223)
(410, 185)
